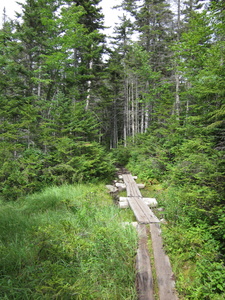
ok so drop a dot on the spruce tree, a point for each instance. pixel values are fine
(50, 66)
(87, 56)
(154, 22)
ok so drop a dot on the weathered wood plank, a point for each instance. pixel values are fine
(141, 210)
(123, 199)
(121, 186)
(165, 276)
(148, 212)
(132, 188)
(141, 185)
(144, 215)
(123, 204)
(152, 202)
(144, 279)
(121, 177)
(138, 212)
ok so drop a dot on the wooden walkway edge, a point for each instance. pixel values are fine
(144, 278)
(164, 275)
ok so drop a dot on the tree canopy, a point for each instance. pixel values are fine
(72, 106)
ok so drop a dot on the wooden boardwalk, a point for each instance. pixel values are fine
(142, 212)
(164, 287)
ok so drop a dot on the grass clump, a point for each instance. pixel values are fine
(66, 243)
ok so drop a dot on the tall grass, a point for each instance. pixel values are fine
(66, 243)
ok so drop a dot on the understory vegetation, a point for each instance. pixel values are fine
(70, 162)
(66, 242)
(187, 178)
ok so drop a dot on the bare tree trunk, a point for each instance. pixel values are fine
(125, 121)
(39, 84)
(146, 117)
(75, 65)
(128, 109)
(146, 110)
(136, 108)
(132, 110)
(177, 95)
(177, 79)
(142, 117)
(188, 100)
(89, 87)
(114, 135)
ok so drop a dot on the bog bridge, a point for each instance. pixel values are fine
(155, 279)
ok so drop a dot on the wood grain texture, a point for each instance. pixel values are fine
(144, 279)
(165, 276)
(142, 212)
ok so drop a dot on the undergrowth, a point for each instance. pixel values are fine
(66, 243)
(186, 176)
(194, 252)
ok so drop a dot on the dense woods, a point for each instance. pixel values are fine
(152, 98)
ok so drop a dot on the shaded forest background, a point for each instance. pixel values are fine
(73, 107)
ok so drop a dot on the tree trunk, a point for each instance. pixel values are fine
(177, 79)
(89, 87)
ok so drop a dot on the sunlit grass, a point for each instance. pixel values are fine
(66, 243)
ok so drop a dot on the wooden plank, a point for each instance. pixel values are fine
(123, 204)
(123, 199)
(165, 276)
(138, 212)
(144, 279)
(151, 202)
(144, 215)
(121, 186)
(141, 210)
(132, 188)
(141, 185)
(148, 212)
(121, 177)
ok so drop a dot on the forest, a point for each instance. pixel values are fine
(76, 105)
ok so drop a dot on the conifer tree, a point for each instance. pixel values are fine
(154, 22)
(45, 90)
(87, 57)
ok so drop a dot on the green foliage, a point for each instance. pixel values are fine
(57, 104)
(196, 163)
(120, 155)
(47, 134)
(69, 162)
(148, 158)
(194, 254)
(187, 163)
(66, 243)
